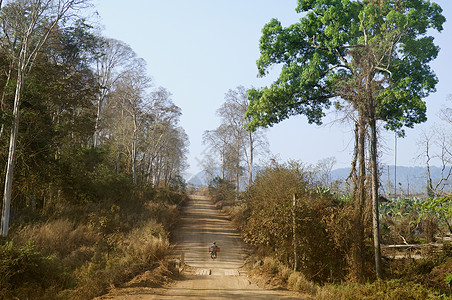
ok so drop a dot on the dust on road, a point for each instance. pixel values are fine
(205, 278)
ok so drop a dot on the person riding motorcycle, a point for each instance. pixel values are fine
(213, 250)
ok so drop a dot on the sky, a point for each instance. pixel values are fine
(199, 49)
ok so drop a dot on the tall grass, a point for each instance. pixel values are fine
(81, 255)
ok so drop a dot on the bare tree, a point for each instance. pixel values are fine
(218, 141)
(114, 61)
(29, 24)
(127, 104)
(236, 146)
(164, 141)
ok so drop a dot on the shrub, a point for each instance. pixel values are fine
(25, 272)
(147, 244)
(141, 249)
(319, 222)
(298, 282)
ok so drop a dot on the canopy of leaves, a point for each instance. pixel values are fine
(340, 46)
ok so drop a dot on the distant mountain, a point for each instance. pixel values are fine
(199, 180)
(409, 179)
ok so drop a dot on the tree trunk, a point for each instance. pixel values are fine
(12, 150)
(222, 164)
(375, 182)
(294, 233)
(237, 183)
(134, 160)
(250, 166)
(357, 264)
(118, 162)
(97, 124)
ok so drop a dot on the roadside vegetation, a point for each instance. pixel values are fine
(91, 175)
(78, 248)
(306, 244)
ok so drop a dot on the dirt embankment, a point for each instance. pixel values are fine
(204, 278)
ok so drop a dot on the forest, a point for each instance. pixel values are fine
(91, 151)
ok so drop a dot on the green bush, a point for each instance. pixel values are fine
(26, 273)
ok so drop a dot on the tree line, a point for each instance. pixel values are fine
(76, 106)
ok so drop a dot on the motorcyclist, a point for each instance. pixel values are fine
(213, 250)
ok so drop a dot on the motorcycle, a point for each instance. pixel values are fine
(213, 252)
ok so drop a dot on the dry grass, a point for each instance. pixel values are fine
(82, 267)
(391, 289)
(146, 244)
(58, 237)
(298, 282)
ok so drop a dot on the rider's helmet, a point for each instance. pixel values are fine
(214, 243)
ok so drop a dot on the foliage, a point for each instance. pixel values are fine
(77, 220)
(370, 57)
(387, 289)
(25, 272)
(439, 207)
(448, 279)
(278, 275)
(325, 53)
(106, 225)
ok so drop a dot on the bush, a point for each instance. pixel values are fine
(26, 273)
(298, 282)
(269, 214)
(147, 244)
(141, 249)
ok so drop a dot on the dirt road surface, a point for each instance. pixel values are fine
(205, 278)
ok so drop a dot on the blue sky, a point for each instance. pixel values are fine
(199, 49)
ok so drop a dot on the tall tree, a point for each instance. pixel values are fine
(130, 96)
(373, 54)
(236, 146)
(114, 59)
(233, 113)
(162, 136)
(29, 24)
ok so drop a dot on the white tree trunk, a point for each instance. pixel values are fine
(250, 166)
(9, 177)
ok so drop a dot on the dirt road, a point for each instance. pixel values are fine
(205, 278)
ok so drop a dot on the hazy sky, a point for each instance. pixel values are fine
(199, 49)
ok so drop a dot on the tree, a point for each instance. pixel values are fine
(218, 140)
(165, 143)
(373, 55)
(115, 58)
(437, 145)
(129, 98)
(29, 24)
(233, 113)
(236, 146)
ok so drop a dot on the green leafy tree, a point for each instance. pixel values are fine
(369, 56)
